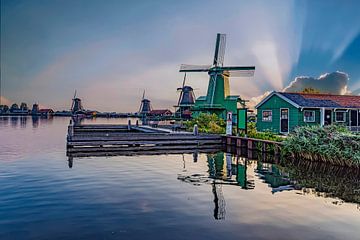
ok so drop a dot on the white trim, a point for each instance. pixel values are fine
(344, 116)
(280, 96)
(262, 116)
(288, 116)
(309, 111)
(322, 117)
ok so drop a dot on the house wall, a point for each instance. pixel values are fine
(275, 103)
(301, 121)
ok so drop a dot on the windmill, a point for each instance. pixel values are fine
(76, 105)
(218, 99)
(145, 106)
(186, 100)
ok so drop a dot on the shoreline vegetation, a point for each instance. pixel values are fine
(333, 144)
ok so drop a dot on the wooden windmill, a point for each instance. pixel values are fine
(145, 106)
(218, 99)
(186, 100)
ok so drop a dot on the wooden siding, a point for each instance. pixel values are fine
(274, 104)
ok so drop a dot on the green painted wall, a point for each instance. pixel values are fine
(274, 104)
(296, 116)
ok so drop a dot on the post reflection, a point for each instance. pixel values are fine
(35, 121)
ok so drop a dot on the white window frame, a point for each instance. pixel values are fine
(344, 116)
(262, 116)
(305, 117)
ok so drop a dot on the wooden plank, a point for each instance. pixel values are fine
(139, 142)
(141, 148)
(101, 153)
(143, 138)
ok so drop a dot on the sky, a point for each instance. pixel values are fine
(111, 51)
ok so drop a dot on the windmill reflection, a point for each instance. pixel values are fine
(230, 170)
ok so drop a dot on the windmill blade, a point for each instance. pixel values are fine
(247, 71)
(183, 84)
(220, 49)
(194, 68)
(143, 96)
(73, 101)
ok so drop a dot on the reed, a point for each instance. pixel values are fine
(332, 144)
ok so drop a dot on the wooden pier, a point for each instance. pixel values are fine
(253, 144)
(113, 139)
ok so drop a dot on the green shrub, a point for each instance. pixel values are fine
(334, 144)
(207, 123)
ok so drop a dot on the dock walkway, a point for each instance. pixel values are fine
(91, 138)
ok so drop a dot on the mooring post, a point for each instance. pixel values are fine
(70, 130)
(137, 123)
(129, 125)
(196, 130)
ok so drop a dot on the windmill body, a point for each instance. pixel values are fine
(218, 99)
(186, 101)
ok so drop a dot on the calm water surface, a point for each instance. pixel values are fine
(204, 196)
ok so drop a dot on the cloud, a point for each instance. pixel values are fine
(334, 83)
(255, 100)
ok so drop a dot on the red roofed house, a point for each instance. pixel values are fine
(281, 112)
(46, 112)
(160, 113)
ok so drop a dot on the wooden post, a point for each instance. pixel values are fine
(196, 130)
(276, 149)
(250, 144)
(129, 125)
(70, 130)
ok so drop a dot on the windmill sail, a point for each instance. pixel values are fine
(220, 50)
(239, 71)
(194, 68)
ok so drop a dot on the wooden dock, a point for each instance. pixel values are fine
(253, 144)
(94, 139)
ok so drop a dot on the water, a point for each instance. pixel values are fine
(209, 196)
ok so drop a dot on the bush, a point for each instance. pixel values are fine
(334, 144)
(207, 123)
(252, 133)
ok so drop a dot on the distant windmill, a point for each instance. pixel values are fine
(186, 99)
(145, 106)
(76, 105)
(218, 99)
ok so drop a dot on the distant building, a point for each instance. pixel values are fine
(160, 113)
(46, 112)
(4, 108)
(281, 112)
(35, 109)
(24, 107)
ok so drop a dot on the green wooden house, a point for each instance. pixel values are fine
(281, 112)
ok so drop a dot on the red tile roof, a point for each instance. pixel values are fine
(160, 111)
(324, 100)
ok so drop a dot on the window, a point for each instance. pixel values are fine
(267, 115)
(309, 116)
(340, 116)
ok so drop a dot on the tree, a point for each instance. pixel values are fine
(310, 90)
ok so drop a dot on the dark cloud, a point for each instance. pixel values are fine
(334, 83)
